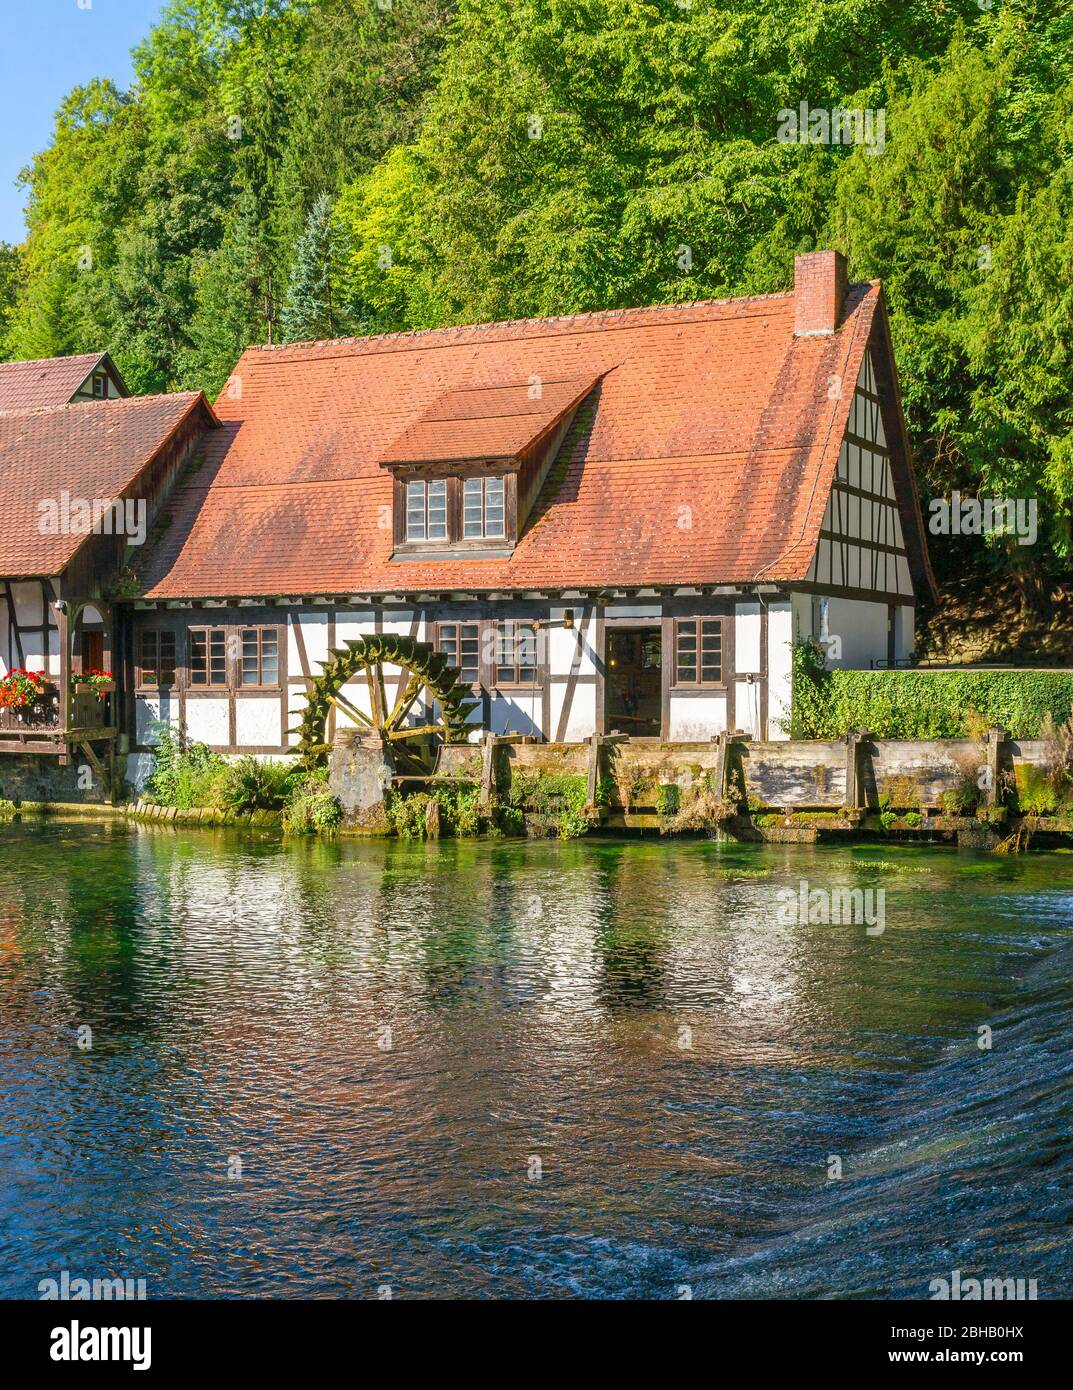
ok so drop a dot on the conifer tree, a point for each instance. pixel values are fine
(311, 307)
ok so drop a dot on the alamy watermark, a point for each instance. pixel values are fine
(72, 1288)
(984, 516)
(102, 516)
(956, 1289)
(833, 907)
(805, 125)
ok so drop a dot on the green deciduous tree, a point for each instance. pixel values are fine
(411, 163)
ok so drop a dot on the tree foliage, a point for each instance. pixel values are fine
(435, 163)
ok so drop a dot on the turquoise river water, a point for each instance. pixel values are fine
(234, 1066)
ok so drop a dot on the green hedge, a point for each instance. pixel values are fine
(922, 704)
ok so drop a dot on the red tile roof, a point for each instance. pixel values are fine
(91, 450)
(46, 381)
(703, 456)
(486, 422)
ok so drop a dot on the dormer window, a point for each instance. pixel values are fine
(468, 471)
(483, 508)
(426, 510)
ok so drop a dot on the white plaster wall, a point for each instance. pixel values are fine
(747, 637)
(6, 656)
(862, 629)
(296, 703)
(359, 623)
(206, 721)
(697, 718)
(905, 631)
(779, 661)
(803, 607)
(150, 711)
(28, 604)
(315, 637)
(139, 769)
(569, 645)
(33, 651)
(581, 721)
(515, 714)
(747, 707)
(400, 623)
(257, 722)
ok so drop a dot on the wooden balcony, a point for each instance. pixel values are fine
(43, 728)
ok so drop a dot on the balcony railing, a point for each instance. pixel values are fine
(37, 718)
(45, 716)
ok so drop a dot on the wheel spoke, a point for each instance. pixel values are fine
(405, 702)
(417, 731)
(341, 702)
(375, 692)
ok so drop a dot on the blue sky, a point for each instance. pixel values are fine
(48, 47)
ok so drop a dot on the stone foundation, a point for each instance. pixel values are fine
(39, 778)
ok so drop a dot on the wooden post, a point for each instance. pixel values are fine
(63, 634)
(854, 781)
(488, 762)
(995, 739)
(722, 764)
(594, 769)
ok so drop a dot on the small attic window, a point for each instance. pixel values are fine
(483, 508)
(467, 471)
(100, 385)
(426, 510)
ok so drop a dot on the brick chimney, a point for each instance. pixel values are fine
(819, 292)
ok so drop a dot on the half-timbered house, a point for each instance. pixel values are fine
(81, 484)
(616, 521)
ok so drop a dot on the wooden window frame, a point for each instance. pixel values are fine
(425, 538)
(516, 684)
(458, 624)
(455, 545)
(99, 378)
(699, 683)
(158, 634)
(482, 480)
(227, 684)
(240, 657)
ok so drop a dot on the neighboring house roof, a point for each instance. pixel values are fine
(48, 380)
(703, 455)
(92, 450)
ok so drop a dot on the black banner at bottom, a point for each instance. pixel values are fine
(75, 1339)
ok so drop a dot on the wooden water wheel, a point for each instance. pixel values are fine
(429, 705)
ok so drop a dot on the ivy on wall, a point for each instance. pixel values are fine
(922, 704)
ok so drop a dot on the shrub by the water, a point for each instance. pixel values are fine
(311, 809)
(189, 775)
(251, 785)
(186, 774)
(447, 809)
(548, 805)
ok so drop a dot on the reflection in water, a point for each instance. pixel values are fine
(387, 1035)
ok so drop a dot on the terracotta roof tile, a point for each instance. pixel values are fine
(90, 450)
(45, 381)
(706, 456)
(486, 422)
